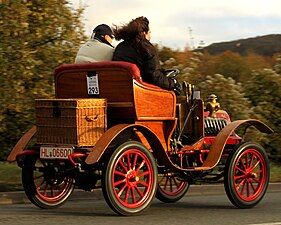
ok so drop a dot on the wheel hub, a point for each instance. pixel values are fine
(132, 178)
(52, 177)
(250, 174)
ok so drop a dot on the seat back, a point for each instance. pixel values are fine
(115, 84)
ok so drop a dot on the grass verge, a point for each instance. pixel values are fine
(10, 177)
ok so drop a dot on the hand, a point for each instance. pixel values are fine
(177, 87)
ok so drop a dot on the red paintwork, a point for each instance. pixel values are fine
(232, 140)
(249, 175)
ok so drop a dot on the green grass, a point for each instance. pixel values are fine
(275, 172)
(10, 176)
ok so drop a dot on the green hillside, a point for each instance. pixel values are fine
(267, 45)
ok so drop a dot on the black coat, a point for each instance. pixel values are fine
(148, 64)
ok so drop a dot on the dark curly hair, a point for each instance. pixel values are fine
(135, 31)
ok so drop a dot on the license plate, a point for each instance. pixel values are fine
(55, 152)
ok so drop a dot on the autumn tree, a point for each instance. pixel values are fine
(230, 95)
(264, 92)
(36, 37)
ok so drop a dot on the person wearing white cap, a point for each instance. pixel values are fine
(98, 48)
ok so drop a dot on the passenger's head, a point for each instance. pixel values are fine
(136, 29)
(103, 32)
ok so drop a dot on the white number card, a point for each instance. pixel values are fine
(93, 85)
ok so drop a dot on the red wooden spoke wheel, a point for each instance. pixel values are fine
(45, 184)
(129, 181)
(170, 189)
(246, 175)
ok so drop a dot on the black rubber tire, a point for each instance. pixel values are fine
(129, 179)
(40, 192)
(247, 173)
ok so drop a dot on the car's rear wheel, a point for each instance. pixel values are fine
(45, 183)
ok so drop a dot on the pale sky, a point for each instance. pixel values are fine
(181, 23)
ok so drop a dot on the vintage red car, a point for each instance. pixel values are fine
(107, 128)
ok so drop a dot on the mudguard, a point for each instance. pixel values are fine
(19, 147)
(119, 133)
(221, 139)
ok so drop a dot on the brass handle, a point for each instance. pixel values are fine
(91, 118)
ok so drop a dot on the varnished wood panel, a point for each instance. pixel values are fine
(162, 129)
(154, 104)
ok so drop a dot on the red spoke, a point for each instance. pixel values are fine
(127, 195)
(124, 167)
(128, 161)
(119, 173)
(160, 182)
(258, 181)
(45, 190)
(243, 187)
(239, 177)
(259, 171)
(167, 180)
(52, 191)
(135, 162)
(143, 174)
(241, 160)
(238, 168)
(256, 164)
(133, 195)
(119, 182)
(171, 185)
(248, 189)
(247, 158)
(176, 182)
(122, 190)
(252, 185)
(139, 191)
(143, 184)
(239, 184)
(252, 160)
(140, 166)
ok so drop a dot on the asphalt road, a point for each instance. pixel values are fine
(202, 205)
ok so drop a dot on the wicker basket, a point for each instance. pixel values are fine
(79, 122)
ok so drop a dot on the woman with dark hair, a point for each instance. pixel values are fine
(136, 48)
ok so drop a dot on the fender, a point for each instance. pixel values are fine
(159, 151)
(221, 139)
(19, 147)
(118, 131)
